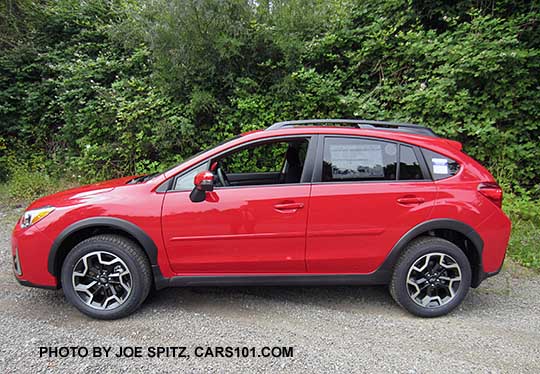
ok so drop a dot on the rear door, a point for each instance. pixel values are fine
(362, 202)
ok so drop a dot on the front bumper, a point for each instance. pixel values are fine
(30, 250)
(26, 283)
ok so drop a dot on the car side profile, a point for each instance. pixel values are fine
(314, 202)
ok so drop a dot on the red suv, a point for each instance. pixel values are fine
(301, 203)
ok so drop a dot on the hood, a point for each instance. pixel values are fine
(78, 194)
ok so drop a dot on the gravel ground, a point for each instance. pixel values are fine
(331, 329)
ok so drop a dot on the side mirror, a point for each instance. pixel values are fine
(204, 182)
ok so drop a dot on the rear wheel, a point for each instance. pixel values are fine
(106, 277)
(431, 278)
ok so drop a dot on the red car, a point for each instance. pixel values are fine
(301, 203)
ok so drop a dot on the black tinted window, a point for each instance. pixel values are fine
(261, 158)
(350, 159)
(409, 167)
(273, 162)
(440, 166)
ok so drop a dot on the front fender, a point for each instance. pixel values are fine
(122, 225)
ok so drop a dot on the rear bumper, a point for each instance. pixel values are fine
(482, 276)
(495, 232)
(492, 274)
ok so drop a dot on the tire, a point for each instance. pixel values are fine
(446, 273)
(109, 270)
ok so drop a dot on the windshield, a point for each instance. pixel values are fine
(143, 178)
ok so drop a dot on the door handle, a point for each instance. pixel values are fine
(291, 207)
(410, 200)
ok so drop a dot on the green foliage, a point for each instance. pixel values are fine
(86, 102)
(4, 163)
(264, 158)
(476, 81)
(28, 179)
(27, 185)
(524, 244)
(196, 43)
(17, 18)
(103, 88)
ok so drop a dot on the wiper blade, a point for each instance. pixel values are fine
(142, 178)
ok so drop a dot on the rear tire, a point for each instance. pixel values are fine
(431, 278)
(106, 276)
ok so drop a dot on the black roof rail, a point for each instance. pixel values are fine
(360, 123)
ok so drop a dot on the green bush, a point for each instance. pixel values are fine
(525, 239)
(4, 163)
(29, 185)
(107, 88)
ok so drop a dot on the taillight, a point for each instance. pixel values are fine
(492, 191)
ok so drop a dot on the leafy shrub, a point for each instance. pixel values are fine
(29, 185)
(4, 166)
(525, 239)
(107, 88)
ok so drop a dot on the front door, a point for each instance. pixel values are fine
(253, 222)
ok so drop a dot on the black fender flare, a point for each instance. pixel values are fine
(135, 231)
(434, 224)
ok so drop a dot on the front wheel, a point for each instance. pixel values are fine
(431, 278)
(106, 277)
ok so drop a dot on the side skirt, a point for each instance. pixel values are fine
(377, 278)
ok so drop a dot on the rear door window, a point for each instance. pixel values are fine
(356, 159)
(409, 167)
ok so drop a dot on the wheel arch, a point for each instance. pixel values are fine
(457, 232)
(88, 227)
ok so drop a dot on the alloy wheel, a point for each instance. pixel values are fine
(102, 280)
(433, 280)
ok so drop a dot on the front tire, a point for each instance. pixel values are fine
(106, 277)
(431, 278)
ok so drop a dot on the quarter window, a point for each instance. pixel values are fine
(440, 166)
(350, 159)
(185, 182)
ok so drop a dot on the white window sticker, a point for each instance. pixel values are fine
(440, 165)
(357, 160)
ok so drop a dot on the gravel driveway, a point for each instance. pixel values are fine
(331, 329)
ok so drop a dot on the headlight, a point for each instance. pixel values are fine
(33, 216)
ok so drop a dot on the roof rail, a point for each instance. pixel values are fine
(360, 123)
